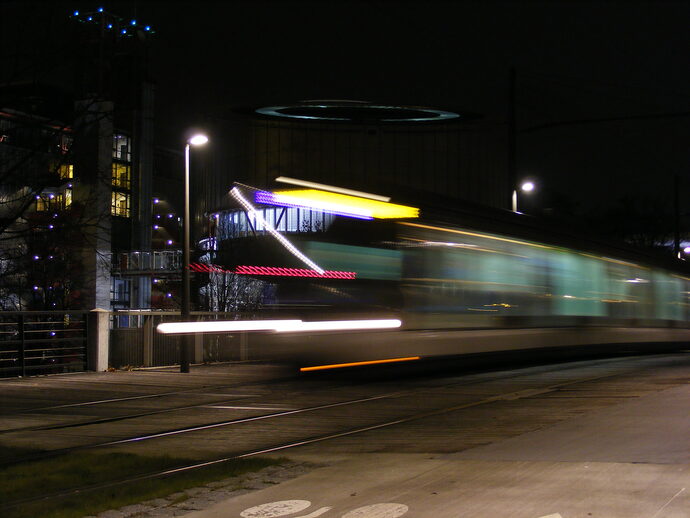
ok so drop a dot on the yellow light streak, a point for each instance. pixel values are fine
(471, 248)
(345, 203)
(331, 188)
(526, 243)
(615, 261)
(475, 234)
(357, 364)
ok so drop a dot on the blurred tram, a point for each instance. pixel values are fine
(465, 290)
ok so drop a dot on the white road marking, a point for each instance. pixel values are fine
(316, 513)
(274, 509)
(671, 500)
(227, 407)
(230, 396)
(555, 515)
(390, 510)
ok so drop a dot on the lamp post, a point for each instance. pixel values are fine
(185, 346)
(525, 187)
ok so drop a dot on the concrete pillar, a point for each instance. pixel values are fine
(93, 157)
(198, 349)
(147, 330)
(98, 340)
(244, 346)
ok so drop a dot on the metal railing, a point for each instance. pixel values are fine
(160, 260)
(42, 342)
(134, 341)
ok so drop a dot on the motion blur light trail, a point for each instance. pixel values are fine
(293, 272)
(358, 364)
(284, 199)
(340, 325)
(337, 203)
(235, 192)
(272, 270)
(279, 326)
(223, 326)
(331, 188)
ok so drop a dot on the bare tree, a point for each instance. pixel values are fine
(50, 219)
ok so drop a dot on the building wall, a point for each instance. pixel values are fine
(462, 160)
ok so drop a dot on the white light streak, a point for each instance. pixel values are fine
(331, 188)
(279, 326)
(235, 192)
(224, 326)
(340, 325)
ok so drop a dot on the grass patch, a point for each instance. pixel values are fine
(65, 472)
(11, 454)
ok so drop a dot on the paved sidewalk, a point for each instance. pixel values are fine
(627, 461)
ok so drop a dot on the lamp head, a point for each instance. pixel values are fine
(198, 140)
(527, 186)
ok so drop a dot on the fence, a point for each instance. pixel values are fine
(45, 342)
(146, 261)
(52, 342)
(134, 341)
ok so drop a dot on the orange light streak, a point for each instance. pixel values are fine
(357, 364)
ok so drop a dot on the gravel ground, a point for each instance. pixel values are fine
(197, 498)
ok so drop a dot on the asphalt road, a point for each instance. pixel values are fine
(599, 438)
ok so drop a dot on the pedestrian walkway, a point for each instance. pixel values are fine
(629, 461)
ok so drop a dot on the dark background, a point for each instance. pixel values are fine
(602, 96)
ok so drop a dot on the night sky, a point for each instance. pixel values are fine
(603, 88)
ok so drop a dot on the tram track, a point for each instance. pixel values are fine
(273, 447)
(149, 396)
(192, 391)
(217, 424)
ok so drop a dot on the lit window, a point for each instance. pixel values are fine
(65, 143)
(53, 201)
(66, 171)
(121, 175)
(120, 204)
(42, 203)
(122, 148)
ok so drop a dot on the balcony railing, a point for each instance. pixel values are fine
(157, 261)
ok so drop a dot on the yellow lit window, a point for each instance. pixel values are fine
(42, 204)
(68, 197)
(53, 201)
(121, 175)
(120, 204)
(66, 171)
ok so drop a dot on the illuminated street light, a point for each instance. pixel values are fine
(198, 140)
(524, 187)
(185, 347)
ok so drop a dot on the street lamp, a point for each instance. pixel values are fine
(524, 187)
(185, 346)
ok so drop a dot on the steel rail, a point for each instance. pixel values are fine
(303, 442)
(146, 396)
(216, 424)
